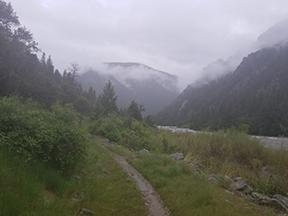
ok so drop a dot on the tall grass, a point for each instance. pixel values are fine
(186, 193)
(32, 189)
(25, 188)
(234, 153)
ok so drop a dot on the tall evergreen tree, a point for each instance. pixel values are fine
(108, 99)
(135, 111)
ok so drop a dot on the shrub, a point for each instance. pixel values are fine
(39, 135)
(109, 127)
(127, 132)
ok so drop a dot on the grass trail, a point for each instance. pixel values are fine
(99, 185)
(150, 196)
(188, 194)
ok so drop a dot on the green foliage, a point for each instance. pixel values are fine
(109, 127)
(233, 153)
(107, 100)
(23, 74)
(127, 132)
(25, 188)
(39, 135)
(186, 193)
(33, 189)
(255, 94)
(135, 111)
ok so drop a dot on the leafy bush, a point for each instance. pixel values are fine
(39, 135)
(127, 132)
(109, 127)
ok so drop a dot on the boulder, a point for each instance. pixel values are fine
(144, 152)
(223, 181)
(261, 199)
(281, 200)
(240, 185)
(86, 212)
(277, 200)
(177, 156)
(77, 196)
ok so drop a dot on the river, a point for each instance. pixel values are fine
(269, 142)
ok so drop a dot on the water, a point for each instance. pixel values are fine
(269, 142)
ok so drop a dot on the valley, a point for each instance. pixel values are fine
(269, 142)
(98, 130)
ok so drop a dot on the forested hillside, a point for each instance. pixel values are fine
(22, 73)
(152, 88)
(255, 94)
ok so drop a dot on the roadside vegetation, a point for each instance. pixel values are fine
(52, 163)
(186, 193)
(184, 185)
(49, 165)
(234, 153)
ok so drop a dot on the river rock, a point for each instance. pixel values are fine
(240, 185)
(265, 173)
(144, 152)
(281, 200)
(77, 196)
(177, 156)
(261, 198)
(214, 179)
(277, 200)
(86, 212)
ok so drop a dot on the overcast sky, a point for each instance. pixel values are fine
(177, 36)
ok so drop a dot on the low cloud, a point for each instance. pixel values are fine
(177, 36)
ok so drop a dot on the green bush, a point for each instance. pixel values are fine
(128, 132)
(109, 127)
(36, 134)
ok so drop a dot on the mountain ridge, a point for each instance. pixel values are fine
(255, 94)
(150, 87)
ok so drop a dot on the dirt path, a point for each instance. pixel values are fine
(152, 199)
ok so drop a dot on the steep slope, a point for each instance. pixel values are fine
(277, 34)
(133, 81)
(256, 93)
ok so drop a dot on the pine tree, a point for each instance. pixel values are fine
(49, 64)
(135, 111)
(108, 99)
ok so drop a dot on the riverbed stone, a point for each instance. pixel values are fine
(86, 212)
(144, 152)
(281, 200)
(240, 185)
(177, 156)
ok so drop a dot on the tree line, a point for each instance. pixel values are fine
(24, 74)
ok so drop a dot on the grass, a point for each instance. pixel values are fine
(185, 193)
(107, 189)
(28, 190)
(188, 194)
(234, 154)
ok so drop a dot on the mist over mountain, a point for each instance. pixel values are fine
(277, 34)
(255, 94)
(152, 88)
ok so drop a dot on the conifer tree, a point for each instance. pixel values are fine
(108, 99)
(135, 111)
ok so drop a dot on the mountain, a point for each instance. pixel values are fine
(255, 94)
(134, 81)
(277, 34)
(218, 68)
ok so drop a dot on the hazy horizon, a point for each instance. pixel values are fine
(179, 37)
